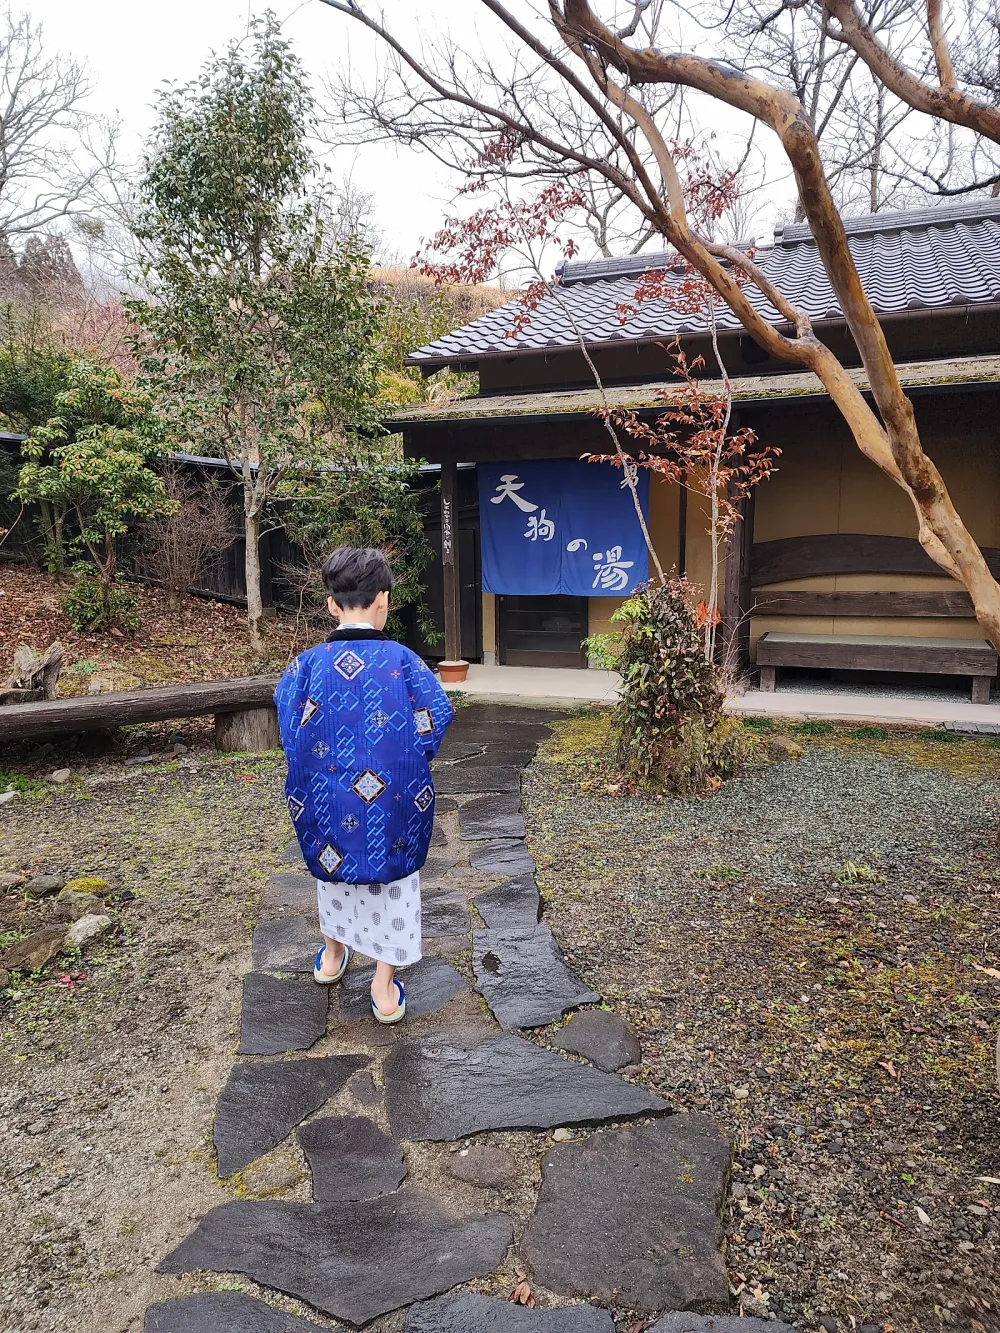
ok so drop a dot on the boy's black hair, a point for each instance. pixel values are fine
(355, 575)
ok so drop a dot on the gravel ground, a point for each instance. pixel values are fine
(803, 955)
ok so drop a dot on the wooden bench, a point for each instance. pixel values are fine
(245, 717)
(872, 652)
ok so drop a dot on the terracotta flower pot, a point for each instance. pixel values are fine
(452, 672)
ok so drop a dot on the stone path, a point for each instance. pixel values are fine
(626, 1221)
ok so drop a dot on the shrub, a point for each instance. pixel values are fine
(668, 726)
(92, 604)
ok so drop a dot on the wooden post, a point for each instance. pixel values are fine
(736, 596)
(682, 531)
(449, 563)
(249, 729)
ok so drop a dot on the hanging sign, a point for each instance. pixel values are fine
(561, 527)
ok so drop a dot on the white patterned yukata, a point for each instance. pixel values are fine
(381, 921)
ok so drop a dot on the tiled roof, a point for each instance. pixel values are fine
(927, 259)
(915, 377)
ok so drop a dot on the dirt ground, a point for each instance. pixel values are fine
(812, 955)
(200, 640)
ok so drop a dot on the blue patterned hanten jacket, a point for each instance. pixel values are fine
(361, 717)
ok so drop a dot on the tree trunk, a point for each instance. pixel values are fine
(250, 729)
(255, 605)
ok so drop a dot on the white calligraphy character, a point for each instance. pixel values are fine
(612, 575)
(540, 527)
(507, 490)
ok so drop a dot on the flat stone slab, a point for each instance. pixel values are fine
(436, 866)
(221, 1312)
(601, 1037)
(495, 816)
(458, 779)
(280, 1014)
(429, 985)
(505, 856)
(292, 855)
(352, 1261)
(287, 892)
(513, 906)
(523, 978)
(455, 1084)
(470, 1313)
(683, 1322)
(438, 836)
(287, 944)
(350, 1158)
(649, 1238)
(445, 805)
(443, 913)
(262, 1103)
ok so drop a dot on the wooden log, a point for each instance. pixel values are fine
(248, 729)
(97, 712)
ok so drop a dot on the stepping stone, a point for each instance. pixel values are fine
(601, 1037)
(429, 985)
(484, 1165)
(443, 914)
(350, 1158)
(458, 779)
(491, 817)
(506, 856)
(683, 1322)
(352, 1261)
(287, 944)
(649, 1238)
(445, 805)
(469, 1313)
(262, 1103)
(280, 1014)
(289, 893)
(221, 1312)
(455, 1084)
(292, 855)
(362, 1088)
(437, 866)
(438, 838)
(513, 906)
(523, 978)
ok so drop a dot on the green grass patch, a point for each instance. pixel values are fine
(941, 736)
(813, 728)
(11, 781)
(758, 723)
(870, 733)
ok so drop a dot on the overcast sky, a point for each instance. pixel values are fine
(131, 49)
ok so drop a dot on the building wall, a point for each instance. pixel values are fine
(824, 484)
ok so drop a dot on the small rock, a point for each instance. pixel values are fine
(977, 1211)
(830, 1324)
(41, 886)
(781, 747)
(86, 929)
(562, 1135)
(139, 759)
(74, 905)
(484, 1165)
(36, 1127)
(739, 1190)
(7, 796)
(60, 775)
(759, 1171)
(11, 879)
(753, 1235)
(35, 951)
(4, 978)
(741, 1094)
(912, 899)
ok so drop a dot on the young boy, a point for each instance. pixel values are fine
(361, 717)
